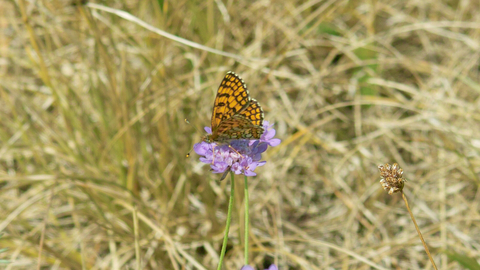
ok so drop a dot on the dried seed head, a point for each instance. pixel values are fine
(392, 180)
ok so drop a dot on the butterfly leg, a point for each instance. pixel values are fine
(225, 173)
(213, 153)
(231, 147)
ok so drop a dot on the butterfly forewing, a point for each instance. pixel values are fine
(232, 98)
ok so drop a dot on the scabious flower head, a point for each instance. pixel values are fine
(248, 267)
(244, 159)
(392, 178)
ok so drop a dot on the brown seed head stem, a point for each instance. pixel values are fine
(393, 182)
(418, 231)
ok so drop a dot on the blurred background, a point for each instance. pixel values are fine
(93, 97)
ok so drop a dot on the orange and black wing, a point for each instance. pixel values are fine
(254, 113)
(232, 98)
(248, 124)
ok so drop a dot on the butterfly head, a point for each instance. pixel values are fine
(207, 138)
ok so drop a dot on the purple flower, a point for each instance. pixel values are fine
(245, 156)
(268, 135)
(248, 267)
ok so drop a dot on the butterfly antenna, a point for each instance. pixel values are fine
(191, 148)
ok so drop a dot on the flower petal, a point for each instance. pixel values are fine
(272, 267)
(262, 147)
(256, 157)
(201, 148)
(249, 173)
(205, 160)
(269, 134)
(274, 142)
(237, 168)
(219, 167)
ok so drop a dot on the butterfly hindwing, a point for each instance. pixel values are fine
(254, 113)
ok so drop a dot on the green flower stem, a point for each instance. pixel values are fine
(229, 219)
(246, 221)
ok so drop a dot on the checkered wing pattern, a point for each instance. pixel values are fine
(235, 115)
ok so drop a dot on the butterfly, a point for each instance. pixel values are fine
(235, 114)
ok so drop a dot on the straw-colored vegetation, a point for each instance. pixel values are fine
(93, 98)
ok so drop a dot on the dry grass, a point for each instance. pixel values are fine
(92, 109)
